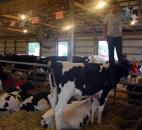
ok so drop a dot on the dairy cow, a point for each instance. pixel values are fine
(81, 80)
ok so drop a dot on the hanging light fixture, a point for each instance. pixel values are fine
(101, 4)
(25, 31)
(67, 27)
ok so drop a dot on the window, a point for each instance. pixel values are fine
(62, 48)
(103, 50)
(34, 48)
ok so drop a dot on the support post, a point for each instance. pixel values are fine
(71, 32)
(95, 43)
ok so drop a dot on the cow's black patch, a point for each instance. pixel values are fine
(28, 107)
(85, 121)
(7, 98)
(19, 98)
(45, 126)
(38, 97)
(5, 105)
(58, 90)
(89, 79)
(81, 125)
(15, 96)
(2, 109)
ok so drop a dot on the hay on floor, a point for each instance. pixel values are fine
(115, 117)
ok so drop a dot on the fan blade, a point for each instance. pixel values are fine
(11, 16)
(15, 30)
(51, 25)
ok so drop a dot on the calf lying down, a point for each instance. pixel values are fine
(10, 102)
(38, 102)
(76, 115)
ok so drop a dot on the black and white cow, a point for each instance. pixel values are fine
(76, 115)
(38, 102)
(11, 100)
(79, 80)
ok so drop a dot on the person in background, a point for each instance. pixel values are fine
(134, 70)
(112, 32)
(126, 61)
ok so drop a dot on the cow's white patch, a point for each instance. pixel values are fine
(95, 59)
(68, 65)
(73, 114)
(77, 94)
(66, 93)
(13, 102)
(50, 82)
(84, 86)
(28, 100)
(42, 105)
(104, 66)
(53, 97)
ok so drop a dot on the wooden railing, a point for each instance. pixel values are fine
(34, 67)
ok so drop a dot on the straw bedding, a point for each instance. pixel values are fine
(115, 117)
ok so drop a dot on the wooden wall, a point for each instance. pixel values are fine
(84, 46)
(132, 46)
(13, 46)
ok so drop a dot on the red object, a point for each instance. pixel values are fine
(59, 15)
(35, 20)
(11, 83)
(8, 83)
(135, 67)
(12, 23)
(19, 83)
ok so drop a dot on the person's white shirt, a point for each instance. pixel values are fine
(113, 24)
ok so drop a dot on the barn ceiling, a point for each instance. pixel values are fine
(42, 12)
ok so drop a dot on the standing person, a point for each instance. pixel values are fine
(112, 32)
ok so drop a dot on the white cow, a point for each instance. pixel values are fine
(76, 115)
(95, 59)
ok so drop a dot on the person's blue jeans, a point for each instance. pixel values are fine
(114, 42)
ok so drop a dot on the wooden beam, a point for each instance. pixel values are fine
(19, 37)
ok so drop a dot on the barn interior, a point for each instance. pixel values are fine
(67, 28)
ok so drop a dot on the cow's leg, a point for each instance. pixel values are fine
(94, 107)
(102, 103)
(53, 98)
(66, 93)
(50, 82)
